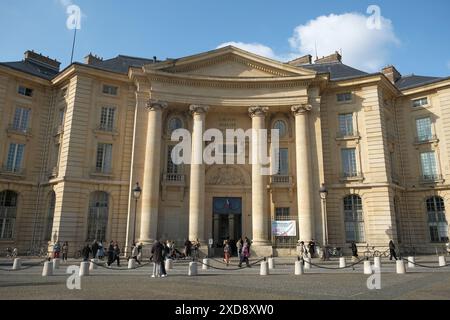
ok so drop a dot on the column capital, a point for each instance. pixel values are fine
(155, 105)
(301, 109)
(257, 111)
(198, 109)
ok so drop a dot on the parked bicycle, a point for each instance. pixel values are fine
(11, 253)
(371, 252)
(332, 252)
(41, 253)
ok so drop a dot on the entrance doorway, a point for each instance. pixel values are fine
(227, 220)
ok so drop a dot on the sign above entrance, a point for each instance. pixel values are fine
(227, 205)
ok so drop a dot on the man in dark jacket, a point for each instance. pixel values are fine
(110, 253)
(354, 249)
(86, 252)
(94, 248)
(157, 253)
(392, 250)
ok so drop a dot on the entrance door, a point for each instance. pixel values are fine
(227, 219)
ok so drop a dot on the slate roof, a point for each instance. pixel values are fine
(121, 64)
(411, 81)
(32, 68)
(337, 70)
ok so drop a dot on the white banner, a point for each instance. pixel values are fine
(286, 228)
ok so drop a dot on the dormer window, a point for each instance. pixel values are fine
(110, 90)
(420, 102)
(24, 91)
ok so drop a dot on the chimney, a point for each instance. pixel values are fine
(301, 60)
(391, 73)
(92, 59)
(42, 60)
(335, 57)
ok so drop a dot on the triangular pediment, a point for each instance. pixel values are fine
(229, 62)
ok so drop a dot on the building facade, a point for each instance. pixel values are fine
(76, 141)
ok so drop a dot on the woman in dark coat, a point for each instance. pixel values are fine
(110, 253)
(392, 250)
(354, 249)
(157, 252)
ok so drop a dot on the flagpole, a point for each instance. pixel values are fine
(73, 44)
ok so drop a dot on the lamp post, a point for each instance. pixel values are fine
(323, 195)
(136, 195)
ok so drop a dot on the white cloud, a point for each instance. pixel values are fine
(362, 47)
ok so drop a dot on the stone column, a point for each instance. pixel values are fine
(150, 186)
(304, 176)
(197, 178)
(259, 185)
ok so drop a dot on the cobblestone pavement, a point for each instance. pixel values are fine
(229, 284)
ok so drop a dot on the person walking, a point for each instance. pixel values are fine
(245, 255)
(354, 249)
(94, 248)
(392, 253)
(157, 254)
(227, 252)
(239, 248)
(86, 252)
(101, 251)
(312, 249)
(139, 249)
(302, 251)
(134, 253)
(110, 253)
(187, 248)
(117, 253)
(56, 250)
(65, 251)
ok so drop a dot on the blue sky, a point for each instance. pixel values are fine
(414, 35)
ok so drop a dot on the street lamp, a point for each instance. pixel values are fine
(136, 195)
(323, 195)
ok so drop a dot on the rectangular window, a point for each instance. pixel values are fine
(283, 165)
(171, 167)
(15, 157)
(62, 115)
(281, 213)
(24, 91)
(346, 125)
(344, 97)
(429, 169)
(21, 117)
(107, 118)
(110, 90)
(348, 157)
(420, 102)
(104, 158)
(423, 126)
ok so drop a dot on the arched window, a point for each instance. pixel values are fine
(98, 216)
(50, 216)
(8, 208)
(437, 223)
(354, 219)
(281, 126)
(174, 124)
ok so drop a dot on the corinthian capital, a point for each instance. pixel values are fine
(154, 105)
(301, 108)
(198, 109)
(257, 111)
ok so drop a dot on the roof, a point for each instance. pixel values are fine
(31, 68)
(121, 64)
(337, 70)
(411, 81)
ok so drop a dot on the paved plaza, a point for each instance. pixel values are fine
(217, 284)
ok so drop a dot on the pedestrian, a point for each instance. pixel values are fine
(239, 248)
(354, 249)
(187, 248)
(117, 253)
(110, 253)
(86, 252)
(227, 252)
(94, 248)
(134, 253)
(101, 251)
(65, 251)
(245, 255)
(302, 251)
(392, 253)
(196, 246)
(157, 254)
(312, 249)
(56, 250)
(139, 249)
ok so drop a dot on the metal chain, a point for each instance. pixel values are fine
(424, 266)
(29, 266)
(335, 268)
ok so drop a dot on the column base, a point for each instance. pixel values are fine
(261, 250)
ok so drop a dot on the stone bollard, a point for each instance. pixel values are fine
(400, 267)
(271, 263)
(377, 263)
(56, 263)
(367, 267)
(48, 269)
(192, 269)
(299, 268)
(131, 264)
(84, 269)
(442, 262)
(205, 264)
(411, 261)
(17, 264)
(342, 263)
(307, 263)
(93, 264)
(169, 264)
(264, 270)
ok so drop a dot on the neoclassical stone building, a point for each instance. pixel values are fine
(75, 142)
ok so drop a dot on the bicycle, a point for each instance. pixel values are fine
(371, 252)
(42, 253)
(11, 253)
